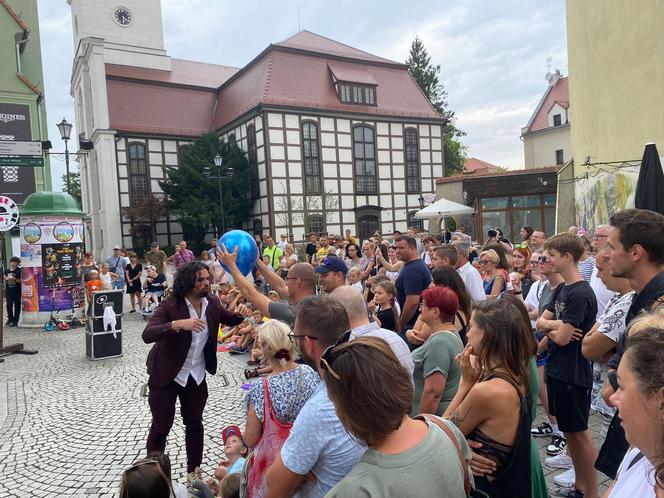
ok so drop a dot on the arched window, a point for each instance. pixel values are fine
(253, 161)
(137, 168)
(312, 176)
(315, 223)
(413, 174)
(365, 160)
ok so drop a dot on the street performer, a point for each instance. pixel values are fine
(184, 332)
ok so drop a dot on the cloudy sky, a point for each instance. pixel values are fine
(493, 55)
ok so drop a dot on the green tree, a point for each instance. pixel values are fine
(74, 186)
(192, 196)
(427, 77)
(147, 212)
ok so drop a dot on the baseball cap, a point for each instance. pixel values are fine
(332, 263)
(154, 244)
(231, 430)
(117, 248)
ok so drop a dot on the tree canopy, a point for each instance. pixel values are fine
(192, 188)
(427, 77)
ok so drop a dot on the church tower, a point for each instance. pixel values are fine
(119, 32)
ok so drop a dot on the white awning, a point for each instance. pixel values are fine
(443, 207)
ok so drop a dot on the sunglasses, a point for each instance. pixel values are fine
(327, 354)
(485, 261)
(522, 245)
(543, 260)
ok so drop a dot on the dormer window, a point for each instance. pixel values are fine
(351, 93)
(354, 85)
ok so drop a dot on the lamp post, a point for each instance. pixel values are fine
(218, 160)
(65, 132)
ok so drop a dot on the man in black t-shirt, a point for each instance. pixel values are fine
(565, 320)
(413, 278)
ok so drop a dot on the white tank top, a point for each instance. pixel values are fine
(635, 481)
(106, 282)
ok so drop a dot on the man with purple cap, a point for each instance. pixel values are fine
(331, 273)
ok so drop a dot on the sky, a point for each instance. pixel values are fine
(493, 55)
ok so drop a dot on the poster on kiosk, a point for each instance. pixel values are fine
(51, 256)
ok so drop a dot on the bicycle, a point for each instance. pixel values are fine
(68, 321)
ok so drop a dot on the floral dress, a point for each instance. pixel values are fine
(286, 399)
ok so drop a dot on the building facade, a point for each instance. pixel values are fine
(22, 106)
(546, 137)
(336, 138)
(616, 87)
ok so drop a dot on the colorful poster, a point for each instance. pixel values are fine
(61, 264)
(30, 278)
(599, 197)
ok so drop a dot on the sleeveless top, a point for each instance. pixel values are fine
(512, 476)
(488, 285)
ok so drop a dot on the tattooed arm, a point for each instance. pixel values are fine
(470, 407)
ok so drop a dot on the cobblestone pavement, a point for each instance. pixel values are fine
(68, 425)
(71, 425)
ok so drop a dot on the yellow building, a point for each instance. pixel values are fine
(616, 89)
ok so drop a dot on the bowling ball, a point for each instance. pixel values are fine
(247, 250)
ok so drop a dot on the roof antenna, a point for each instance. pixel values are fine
(298, 17)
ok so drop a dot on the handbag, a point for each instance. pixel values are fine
(269, 445)
(468, 488)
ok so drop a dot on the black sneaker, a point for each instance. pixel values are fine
(542, 430)
(557, 445)
(8, 322)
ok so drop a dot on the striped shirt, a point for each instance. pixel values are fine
(586, 268)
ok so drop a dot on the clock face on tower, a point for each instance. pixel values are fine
(122, 16)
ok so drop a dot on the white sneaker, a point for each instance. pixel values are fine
(562, 461)
(566, 479)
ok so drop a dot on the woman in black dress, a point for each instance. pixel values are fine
(133, 273)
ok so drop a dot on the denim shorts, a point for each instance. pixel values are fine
(541, 357)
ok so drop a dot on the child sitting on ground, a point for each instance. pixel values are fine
(179, 489)
(243, 337)
(235, 450)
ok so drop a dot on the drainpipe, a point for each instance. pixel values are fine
(26, 38)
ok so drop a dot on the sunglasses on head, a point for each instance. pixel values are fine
(327, 354)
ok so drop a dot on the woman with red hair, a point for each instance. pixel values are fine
(522, 276)
(437, 374)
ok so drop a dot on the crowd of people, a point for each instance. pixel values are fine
(420, 354)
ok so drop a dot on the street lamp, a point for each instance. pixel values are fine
(65, 132)
(218, 160)
(420, 199)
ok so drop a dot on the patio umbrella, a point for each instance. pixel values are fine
(650, 186)
(443, 207)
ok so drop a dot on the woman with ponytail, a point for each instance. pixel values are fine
(273, 403)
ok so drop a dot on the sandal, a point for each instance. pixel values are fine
(250, 373)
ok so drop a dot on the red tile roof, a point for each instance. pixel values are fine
(556, 93)
(293, 73)
(474, 165)
(348, 72)
(137, 106)
(189, 73)
(312, 42)
(300, 80)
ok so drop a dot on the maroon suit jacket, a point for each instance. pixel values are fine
(170, 348)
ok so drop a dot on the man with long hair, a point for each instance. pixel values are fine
(184, 333)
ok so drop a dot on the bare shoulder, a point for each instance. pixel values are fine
(494, 390)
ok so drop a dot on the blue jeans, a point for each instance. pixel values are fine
(119, 284)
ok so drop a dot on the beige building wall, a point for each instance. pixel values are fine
(540, 147)
(615, 54)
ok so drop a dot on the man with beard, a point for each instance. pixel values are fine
(318, 442)
(183, 330)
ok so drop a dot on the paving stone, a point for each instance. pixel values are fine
(70, 425)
